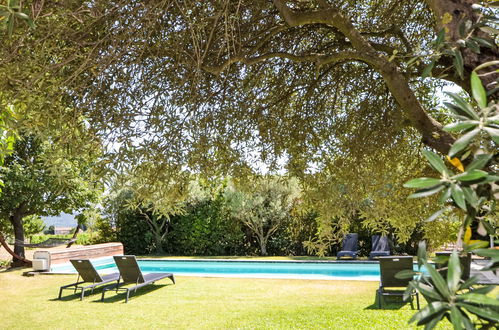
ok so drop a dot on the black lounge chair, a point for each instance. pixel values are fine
(380, 247)
(131, 274)
(88, 274)
(389, 267)
(350, 246)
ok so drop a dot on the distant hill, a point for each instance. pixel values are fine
(62, 220)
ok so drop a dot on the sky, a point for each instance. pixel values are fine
(63, 220)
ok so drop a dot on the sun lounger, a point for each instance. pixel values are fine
(88, 274)
(130, 273)
(380, 247)
(349, 247)
(389, 284)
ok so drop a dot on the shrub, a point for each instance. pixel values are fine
(205, 229)
(50, 230)
(104, 231)
(133, 232)
(84, 238)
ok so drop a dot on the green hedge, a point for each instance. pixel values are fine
(205, 229)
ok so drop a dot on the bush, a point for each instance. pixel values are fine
(205, 229)
(104, 231)
(32, 225)
(84, 238)
(134, 233)
(50, 230)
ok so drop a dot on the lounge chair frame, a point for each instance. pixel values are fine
(389, 266)
(88, 274)
(130, 273)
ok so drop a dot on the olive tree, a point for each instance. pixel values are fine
(263, 205)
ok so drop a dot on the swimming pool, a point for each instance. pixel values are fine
(328, 270)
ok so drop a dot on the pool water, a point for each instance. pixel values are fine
(365, 271)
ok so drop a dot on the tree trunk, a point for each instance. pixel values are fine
(6, 247)
(159, 243)
(156, 230)
(263, 245)
(450, 15)
(17, 222)
(73, 239)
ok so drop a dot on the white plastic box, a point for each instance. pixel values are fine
(41, 260)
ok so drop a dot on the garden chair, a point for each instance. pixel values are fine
(349, 247)
(130, 273)
(380, 247)
(389, 284)
(88, 274)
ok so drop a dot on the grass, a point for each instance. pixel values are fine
(200, 303)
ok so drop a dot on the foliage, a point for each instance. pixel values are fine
(131, 229)
(84, 238)
(33, 225)
(7, 135)
(222, 86)
(438, 233)
(301, 227)
(263, 205)
(104, 232)
(50, 230)
(473, 35)
(177, 83)
(472, 192)
(39, 183)
(10, 13)
(32, 184)
(150, 203)
(451, 297)
(205, 229)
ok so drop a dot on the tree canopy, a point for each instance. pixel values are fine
(34, 185)
(263, 205)
(209, 81)
(332, 91)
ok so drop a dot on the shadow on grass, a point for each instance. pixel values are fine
(112, 296)
(11, 269)
(391, 303)
(67, 295)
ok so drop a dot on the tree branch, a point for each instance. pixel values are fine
(319, 59)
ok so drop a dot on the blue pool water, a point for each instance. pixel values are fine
(247, 269)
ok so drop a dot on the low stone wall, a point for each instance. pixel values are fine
(82, 252)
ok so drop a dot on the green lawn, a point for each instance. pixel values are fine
(199, 303)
